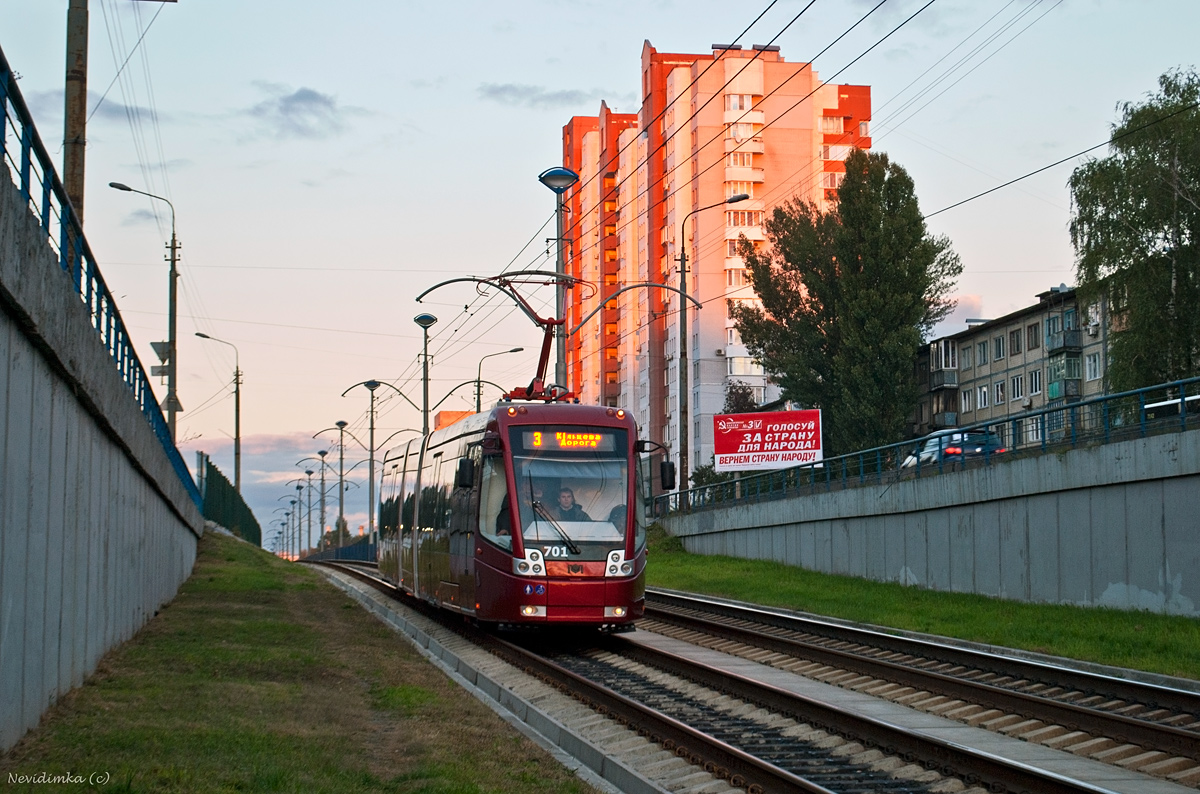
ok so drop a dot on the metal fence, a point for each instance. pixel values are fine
(32, 171)
(1165, 408)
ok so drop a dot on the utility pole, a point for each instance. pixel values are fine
(75, 106)
(323, 453)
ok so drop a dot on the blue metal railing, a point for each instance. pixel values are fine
(1100, 420)
(32, 171)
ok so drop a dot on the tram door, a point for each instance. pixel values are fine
(463, 509)
(408, 514)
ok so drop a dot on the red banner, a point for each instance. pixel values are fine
(775, 440)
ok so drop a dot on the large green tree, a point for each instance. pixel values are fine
(1136, 216)
(847, 298)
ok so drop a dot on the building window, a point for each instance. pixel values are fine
(610, 353)
(610, 377)
(739, 101)
(835, 152)
(1033, 336)
(1035, 381)
(1092, 366)
(732, 337)
(1064, 366)
(998, 348)
(610, 280)
(742, 365)
(740, 159)
(1053, 325)
(736, 277)
(743, 218)
(965, 399)
(1070, 320)
(999, 391)
(832, 125)
(734, 188)
(1018, 387)
(981, 351)
(982, 394)
(740, 131)
(864, 128)
(1014, 343)
(964, 358)
(610, 328)
(831, 180)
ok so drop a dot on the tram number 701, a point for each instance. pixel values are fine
(555, 551)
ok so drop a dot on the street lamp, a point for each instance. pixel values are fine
(372, 385)
(684, 427)
(559, 179)
(425, 320)
(237, 410)
(171, 404)
(479, 376)
(300, 499)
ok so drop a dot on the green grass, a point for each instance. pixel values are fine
(1137, 640)
(262, 677)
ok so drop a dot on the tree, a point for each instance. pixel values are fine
(847, 298)
(1134, 226)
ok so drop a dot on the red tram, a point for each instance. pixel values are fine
(527, 514)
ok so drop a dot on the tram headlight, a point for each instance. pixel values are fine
(615, 556)
(537, 569)
(626, 569)
(618, 612)
(529, 610)
(612, 569)
(522, 566)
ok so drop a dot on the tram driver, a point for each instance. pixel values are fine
(568, 509)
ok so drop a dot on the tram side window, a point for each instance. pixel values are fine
(494, 514)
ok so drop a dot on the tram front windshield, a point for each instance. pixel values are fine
(572, 485)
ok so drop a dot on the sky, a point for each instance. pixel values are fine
(328, 162)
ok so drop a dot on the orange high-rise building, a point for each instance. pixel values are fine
(710, 126)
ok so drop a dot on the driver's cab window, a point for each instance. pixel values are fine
(495, 517)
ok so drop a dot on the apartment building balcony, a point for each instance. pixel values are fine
(943, 420)
(611, 390)
(1063, 340)
(1066, 388)
(943, 379)
(744, 117)
(753, 145)
(743, 174)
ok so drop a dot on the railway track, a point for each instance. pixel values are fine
(1150, 728)
(680, 714)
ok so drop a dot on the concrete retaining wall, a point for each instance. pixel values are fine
(96, 530)
(1115, 525)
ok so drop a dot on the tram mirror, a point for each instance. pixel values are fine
(666, 474)
(465, 476)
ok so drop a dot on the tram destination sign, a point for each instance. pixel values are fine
(774, 440)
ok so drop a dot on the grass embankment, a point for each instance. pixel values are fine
(260, 676)
(1137, 640)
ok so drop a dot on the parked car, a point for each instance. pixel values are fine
(950, 446)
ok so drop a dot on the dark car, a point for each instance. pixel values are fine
(950, 446)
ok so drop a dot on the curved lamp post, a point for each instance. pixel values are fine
(684, 428)
(559, 179)
(171, 404)
(425, 320)
(372, 385)
(479, 375)
(237, 410)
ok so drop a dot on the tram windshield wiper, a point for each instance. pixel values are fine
(541, 510)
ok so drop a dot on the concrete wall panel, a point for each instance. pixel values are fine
(962, 551)
(937, 550)
(1181, 534)
(1041, 519)
(1108, 556)
(1147, 558)
(985, 519)
(1014, 549)
(913, 569)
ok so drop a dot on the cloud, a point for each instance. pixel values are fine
(301, 113)
(968, 307)
(139, 218)
(540, 98)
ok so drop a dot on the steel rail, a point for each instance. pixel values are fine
(1120, 727)
(950, 759)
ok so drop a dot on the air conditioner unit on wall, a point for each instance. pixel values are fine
(1093, 330)
(1027, 402)
(720, 351)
